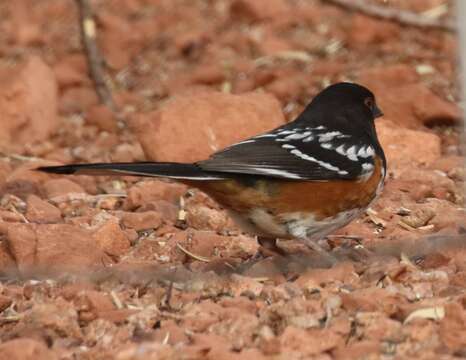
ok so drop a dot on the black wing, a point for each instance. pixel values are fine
(309, 153)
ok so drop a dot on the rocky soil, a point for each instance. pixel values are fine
(129, 268)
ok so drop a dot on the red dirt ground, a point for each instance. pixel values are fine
(124, 268)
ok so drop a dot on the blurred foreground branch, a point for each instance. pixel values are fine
(93, 55)
(402, 17)
(183, 277)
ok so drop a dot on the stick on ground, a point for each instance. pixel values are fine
(402, 17)
(93, 55)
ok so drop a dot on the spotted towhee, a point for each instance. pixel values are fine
(302, 180)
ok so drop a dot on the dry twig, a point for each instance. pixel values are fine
(93, 55)
(190, 254)
(402, 17)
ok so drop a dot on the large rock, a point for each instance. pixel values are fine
(41, 211)
(192, 126)
(407, 101)
(406, 147)
(52, 247)
(28, 99)
(111, 238)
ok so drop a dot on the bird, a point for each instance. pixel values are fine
(302, 180)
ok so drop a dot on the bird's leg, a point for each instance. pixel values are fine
(268, 247)
(319, 250)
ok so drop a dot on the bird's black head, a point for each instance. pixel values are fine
(347, 96)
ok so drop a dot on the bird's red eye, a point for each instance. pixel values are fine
(369, 102)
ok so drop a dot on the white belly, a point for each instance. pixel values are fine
(297, 225)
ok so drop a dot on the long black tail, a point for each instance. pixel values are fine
(150, 169)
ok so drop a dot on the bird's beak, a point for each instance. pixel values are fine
(376, 112)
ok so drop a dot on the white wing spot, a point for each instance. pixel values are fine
(367, 166)
(281, 173)
(265, 135)
(351, 153)
(308, 139)
(288, 146)
(367, 171)
(246, 142)
(321, 163)
(286, 132)
(327, 146)
(366, 152)
(325, 137)
(298, 136)
(341, 150)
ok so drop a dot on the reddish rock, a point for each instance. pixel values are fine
(167, 210)
(205, 243)
(25, 172)
(410, 104)
(258, 10)
(50, 320)
(41, 211)
(127, 153)
(5, 171)
(71, 291)
(61, 187)
(22, 242)
(203, 217)
(7, 262)
(5, 302)
(286, 88)
(118, 40)
(328, 69)
(428, 183)
(118, 316)
(244, 284)
(450, 165)
(447, 215)
(77, 100)
(308, 343)
(430, 109)
(102, 117)
(343, 272)
(28, 99)
(10, 216)
(142, 220)
(365, 31)
(153, 190)
(52, 247)
(272, 44)
(366, 300)
(71, 71)
(402, 146)
(26, 349)
(92, 304)
(111, 239)
(29, 34)
(358, 350)
(174, 332)
(22, 181)
(208, 75)
(191, 127)
(380, 78)
(452, 330)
